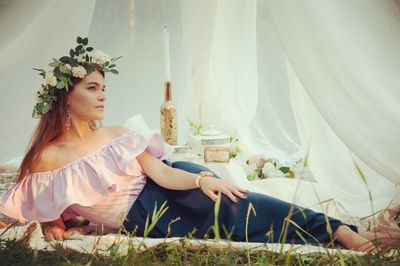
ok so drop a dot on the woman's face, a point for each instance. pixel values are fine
(86, 101)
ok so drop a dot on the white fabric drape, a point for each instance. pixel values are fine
(221, 46)
(225, 46)
(319, 43)
(345, 57)
(331, 162)
(346, 54)
(32, 32)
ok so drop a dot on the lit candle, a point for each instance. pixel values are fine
(166, 55)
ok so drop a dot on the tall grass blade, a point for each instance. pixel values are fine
(215, 227)
(154, 219)
(250, 208)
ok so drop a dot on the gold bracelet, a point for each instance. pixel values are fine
(201, 175)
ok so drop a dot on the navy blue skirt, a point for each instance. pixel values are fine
(191, 213)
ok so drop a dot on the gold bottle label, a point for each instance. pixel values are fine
(168, 119)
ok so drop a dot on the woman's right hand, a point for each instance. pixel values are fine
(55, 232)
(212, 186)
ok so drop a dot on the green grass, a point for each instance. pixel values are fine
(16, 253)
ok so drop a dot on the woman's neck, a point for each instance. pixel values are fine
(78, 130)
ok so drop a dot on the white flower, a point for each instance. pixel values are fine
(98, 57)
(39, 97)
(50, 79)
(79, 72)
(40, 93)
(258, 159)
(250, 169)
(275, 173)
(68, 66)
(81, 58)
(268, 168)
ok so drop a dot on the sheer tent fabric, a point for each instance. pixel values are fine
(343, 64)
(285, 77)
(32, 32)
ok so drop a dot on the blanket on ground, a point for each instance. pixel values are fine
(31, 234)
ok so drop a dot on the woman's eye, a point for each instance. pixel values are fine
(92, 88)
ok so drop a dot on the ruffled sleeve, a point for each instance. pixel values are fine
(44, 196)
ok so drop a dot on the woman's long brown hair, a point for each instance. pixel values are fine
(51, 126)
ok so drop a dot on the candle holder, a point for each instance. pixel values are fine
(168, 119)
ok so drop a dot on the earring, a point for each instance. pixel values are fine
(68, 121)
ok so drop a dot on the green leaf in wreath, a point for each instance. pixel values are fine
(112, 65)
(91, 68)
(38, 69)
(85, 41)
(45, 108)
(71, 53)
(116, 58)
(63, 69)
(79, 40)
(60, 84)
(89, 49)
(54, 64)
(114, 71)
(66, 59)
(62, 77)
(79, 47)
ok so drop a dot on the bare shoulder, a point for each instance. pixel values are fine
(47, 160)
(114, 131)
(58, 153)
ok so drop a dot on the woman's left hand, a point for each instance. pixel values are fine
(211, 186)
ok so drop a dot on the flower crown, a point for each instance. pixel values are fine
(80, 62)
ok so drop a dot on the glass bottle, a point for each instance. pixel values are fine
(168, 117)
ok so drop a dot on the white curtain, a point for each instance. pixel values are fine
(283, 76)
(220, 39)
(346, 54)
(350, 76)
(343, 64)
(32, 32)
(227, 46)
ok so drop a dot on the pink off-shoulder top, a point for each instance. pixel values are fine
(98, 186)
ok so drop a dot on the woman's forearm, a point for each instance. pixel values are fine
(177, 179)
(164, 175)
(172, 178)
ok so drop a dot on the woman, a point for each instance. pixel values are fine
(116, 178)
